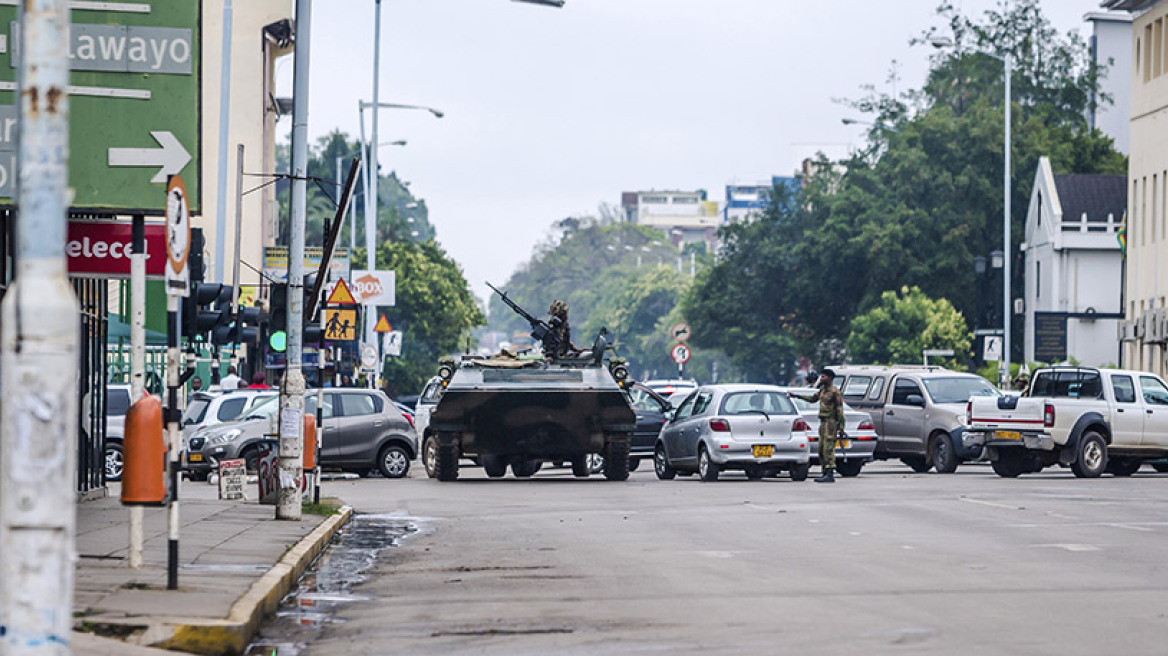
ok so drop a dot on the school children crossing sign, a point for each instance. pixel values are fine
(340, 324)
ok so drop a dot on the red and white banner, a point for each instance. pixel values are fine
(101, 249)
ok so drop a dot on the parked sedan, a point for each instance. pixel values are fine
(851, 453)
(753, 428)
(363, 430)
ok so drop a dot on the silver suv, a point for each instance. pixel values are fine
(919, 412)
(363, 430)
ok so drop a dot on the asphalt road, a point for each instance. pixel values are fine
(890, 562)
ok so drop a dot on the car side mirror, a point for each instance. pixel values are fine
(915, 399)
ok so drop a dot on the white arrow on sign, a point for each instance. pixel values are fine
(172, 157)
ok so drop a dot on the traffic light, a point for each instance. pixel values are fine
(199, 318)
(278, 317)
(224, 331)
(195, 260)
(248, 323)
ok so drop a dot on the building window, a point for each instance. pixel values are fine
(1147, 58)
(655, 200)
(685, 200)
(1157, 50)
(1038, 279)
(1040, 208)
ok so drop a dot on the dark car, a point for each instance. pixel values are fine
(653, 412)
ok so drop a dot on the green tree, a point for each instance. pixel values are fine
(903, 325)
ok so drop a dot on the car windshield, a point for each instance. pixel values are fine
(771, 403)
(196, 411)
(270, 406)
(958, 390)
(117, 401)
(642, 400)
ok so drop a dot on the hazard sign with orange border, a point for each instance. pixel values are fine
(341, 294)
(382, 326)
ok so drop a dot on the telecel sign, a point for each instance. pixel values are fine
(134, 102)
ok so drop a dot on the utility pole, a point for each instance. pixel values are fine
(238, 239)
(224, 125)
(374, 176)
(39, 353)
(137, 360)
(292, 389)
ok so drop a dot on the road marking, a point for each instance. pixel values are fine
(989, 503)
(1068, 547)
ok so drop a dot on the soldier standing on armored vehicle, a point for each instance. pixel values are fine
(563, 331)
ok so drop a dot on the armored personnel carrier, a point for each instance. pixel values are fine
(518, 412)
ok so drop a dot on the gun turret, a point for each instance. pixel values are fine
(541, 331)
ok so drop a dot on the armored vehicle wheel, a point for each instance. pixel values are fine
(849, 468)
(1009, 464)
(1091, 458)
(800, 472)
(917, 463)
(616, 460)
(707, 468)
(446, 462)
(595, 463)
(524, 468)
(661, 464)
(634, 463)
(944, 455)
(495, 466)
(1123, 466)
(1161, 467)
(755, 474)
(429, 451)
(580, 467)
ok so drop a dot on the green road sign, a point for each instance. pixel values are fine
(134, 96)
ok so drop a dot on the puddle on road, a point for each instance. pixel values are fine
(328, 584)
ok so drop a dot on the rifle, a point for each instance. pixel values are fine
(541, 331)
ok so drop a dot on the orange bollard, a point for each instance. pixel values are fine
(144, 450)
(309, 442)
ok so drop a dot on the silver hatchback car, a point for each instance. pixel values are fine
(753, 428)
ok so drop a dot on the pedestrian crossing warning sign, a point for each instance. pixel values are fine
(382, 325)
(340, 325)
(341, 294)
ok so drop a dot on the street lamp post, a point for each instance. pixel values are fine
(1008, 67)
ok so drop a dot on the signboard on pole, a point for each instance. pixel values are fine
(369, 356)
(680, 353)
(340, 324)
(680, 332)
(392, 343)
(992, 348)
(382, 325)
(374, 287)
(341, 294)
(134, 102)
(101, 249)
(232, 479)
(178, 238)
(276, 262)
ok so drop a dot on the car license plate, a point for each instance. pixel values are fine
(196, 457)
(843, 444)
(1007, 435)
(763, 450)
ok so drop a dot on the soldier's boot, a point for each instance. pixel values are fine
(828, 476)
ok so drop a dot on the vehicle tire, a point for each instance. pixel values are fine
(944, 454)
(495, 466)
(1161, 467)
(524, 468)
(446, 462)
(849, 468)
(661, 464)
(195, 476)
(580, 468)
(115, 461)
(429, 451)
(707, 469)
(917, 463)
(1009, 464)
(1091, 456)
(755, 473)
(616, 460)
(251, 459)
(595, 463)
(360, 472)
(634, 463)
(800, 472)
(393, 461)
(1124, 466)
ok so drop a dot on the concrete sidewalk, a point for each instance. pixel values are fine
(236, 562)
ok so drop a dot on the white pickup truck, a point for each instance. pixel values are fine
(1092, 420)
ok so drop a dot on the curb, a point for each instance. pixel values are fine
(232, 635)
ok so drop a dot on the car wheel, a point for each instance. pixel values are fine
(1009, 464)
(917, 463)
(755, 473)
(495, 466)
(707, 468)
(580, 467)
(251, 459)
(634, 463)
(800, 472)
(1091, 459)
(661, 464)
(944, 455)
(446, 462)
(595, 463)
(393, 461)
(1161, 467)
(115, 462)
(429, 451)
(849, 468)
(616, 460)
(524, 468)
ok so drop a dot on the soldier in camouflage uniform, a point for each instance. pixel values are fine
(831, 422)
(559, 309)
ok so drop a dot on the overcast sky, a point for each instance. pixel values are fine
(551, 112)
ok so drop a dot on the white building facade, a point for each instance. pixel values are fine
(684, 216)
(1074, 267)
